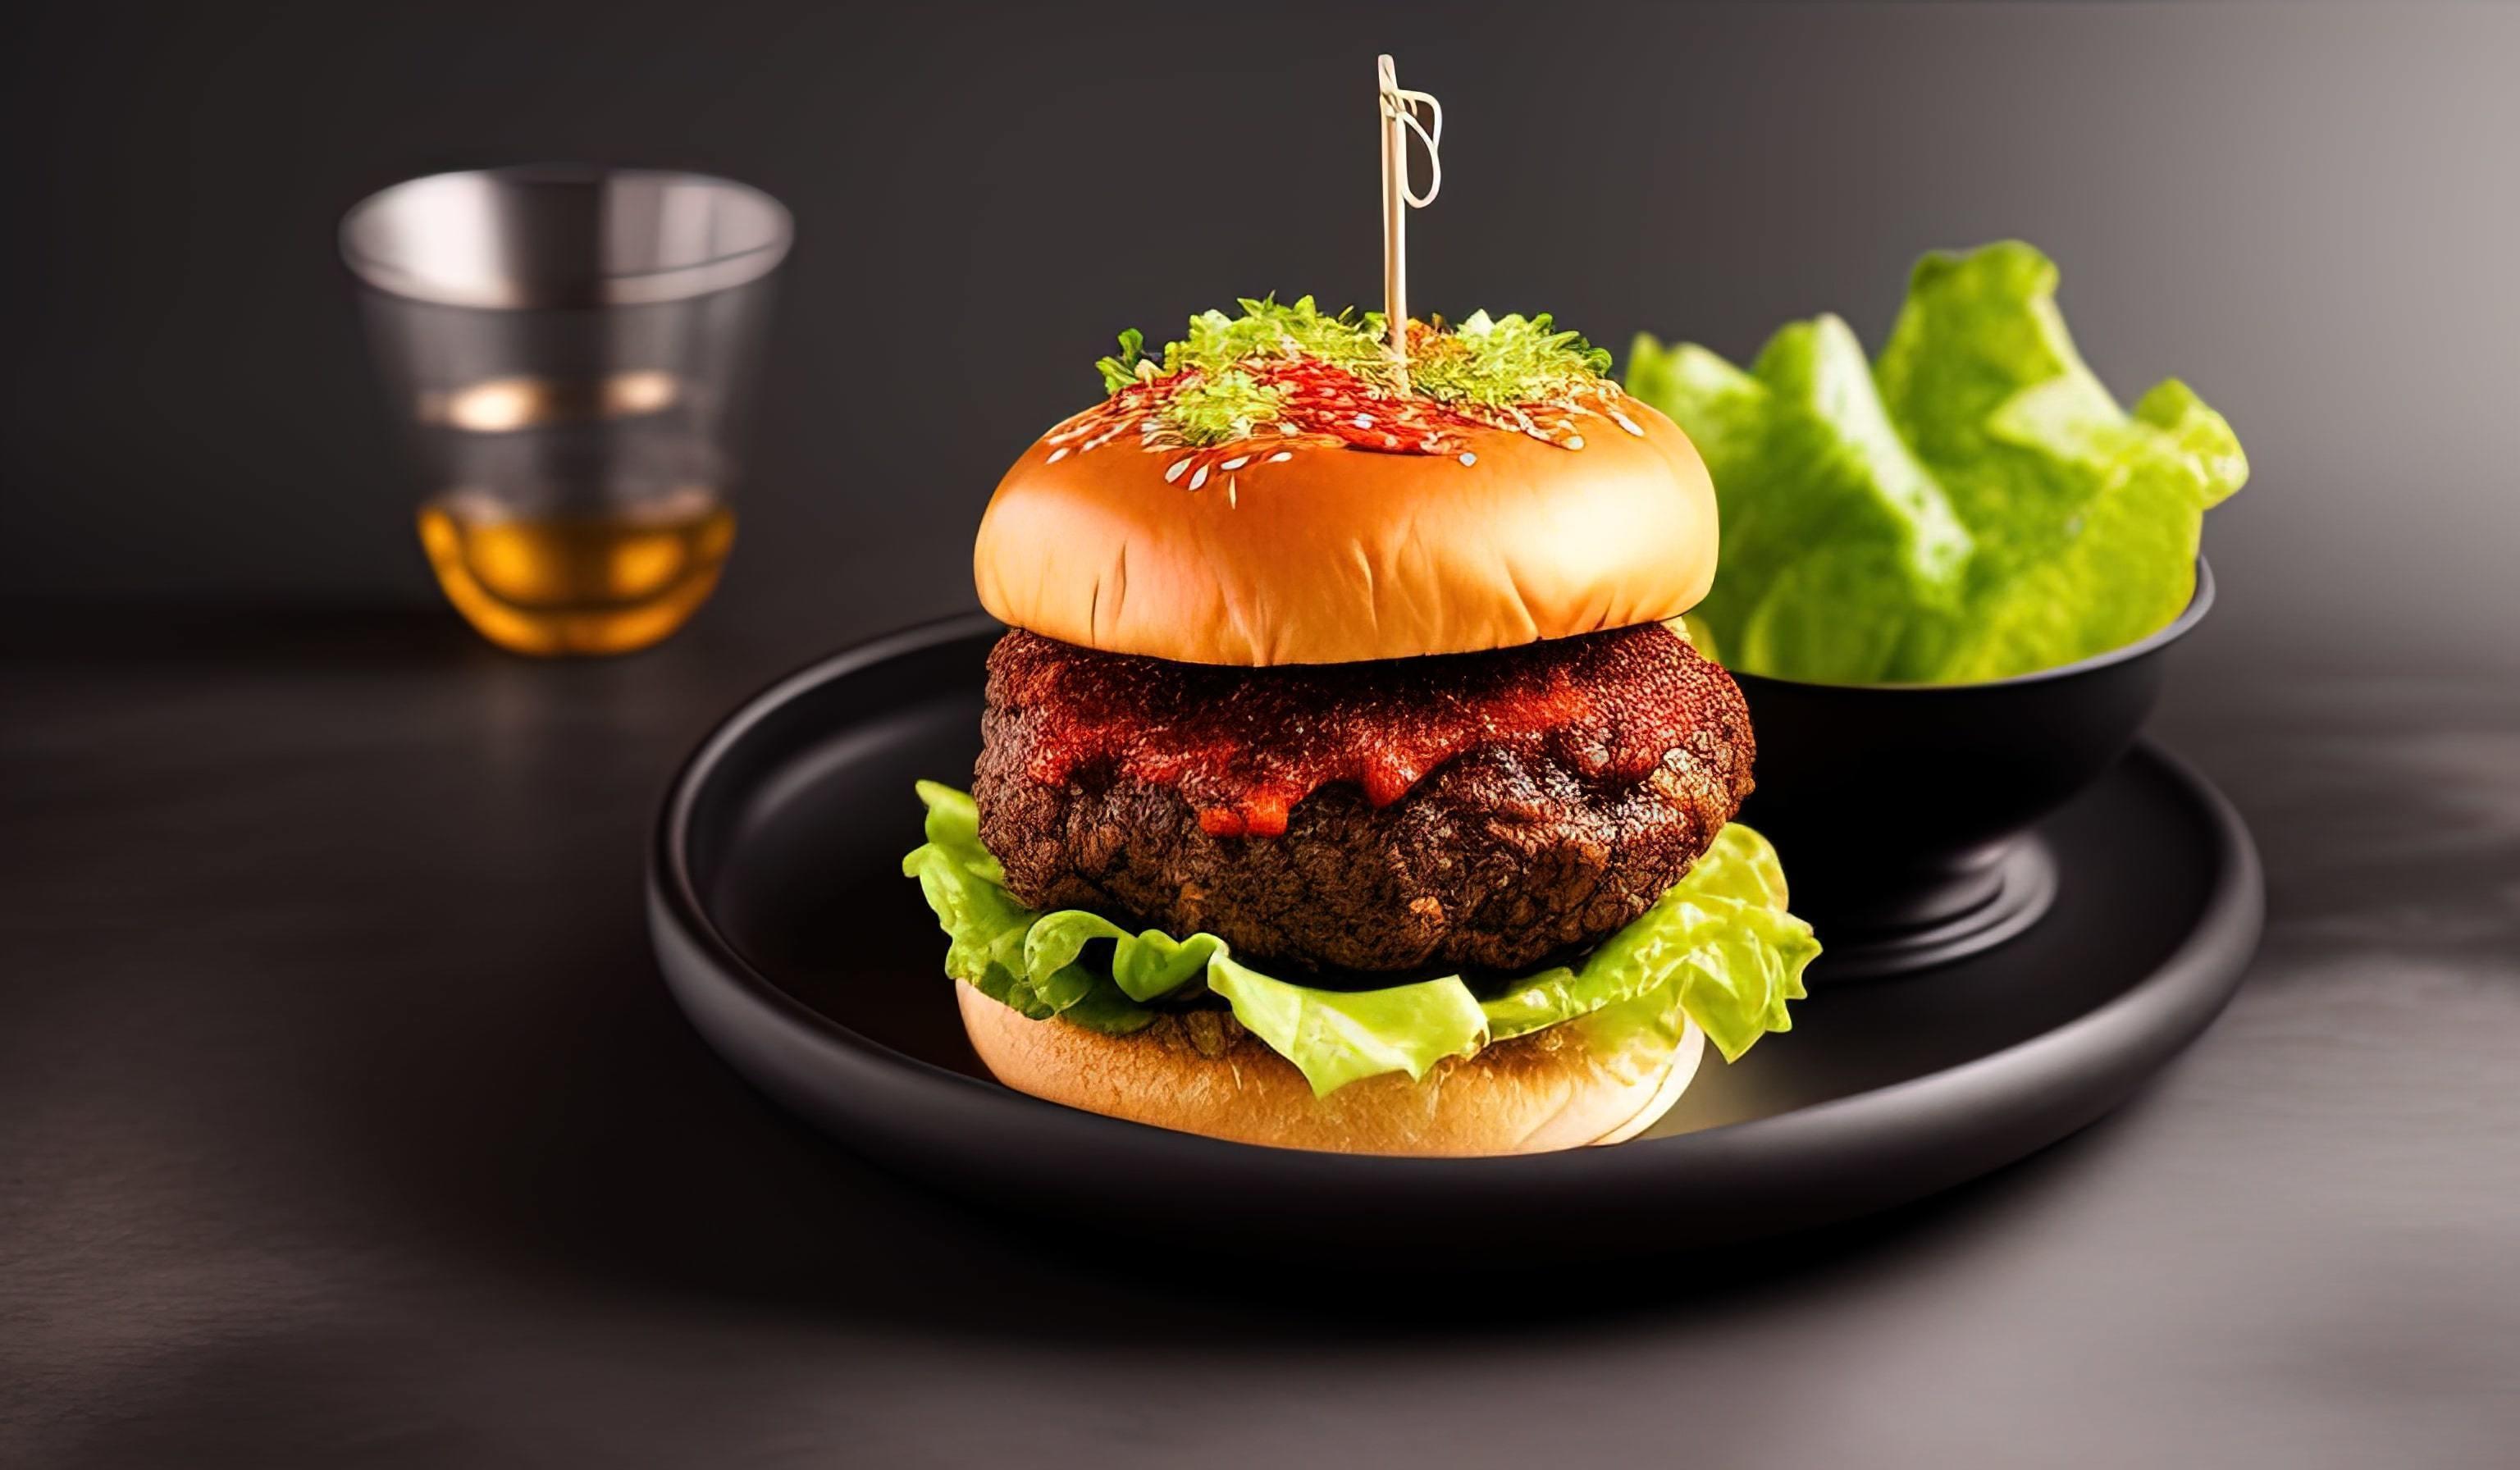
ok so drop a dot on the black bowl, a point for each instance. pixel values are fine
(1903, 810)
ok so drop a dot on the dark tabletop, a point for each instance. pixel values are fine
(343, 1118)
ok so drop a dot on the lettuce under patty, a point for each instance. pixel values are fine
(1719, 948)
(1970, 505)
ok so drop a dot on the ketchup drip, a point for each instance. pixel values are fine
(1245, 746)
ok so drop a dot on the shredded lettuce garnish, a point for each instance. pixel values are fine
(1503, 361)
(1212, 384)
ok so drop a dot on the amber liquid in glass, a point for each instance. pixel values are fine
(578, 583)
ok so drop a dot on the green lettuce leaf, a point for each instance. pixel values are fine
(1718, 949)
(1973, 505)
(1823, 509)
(989, 936)
(1336, 1037)
(1719, 944)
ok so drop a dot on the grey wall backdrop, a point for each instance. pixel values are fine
(2310, 213)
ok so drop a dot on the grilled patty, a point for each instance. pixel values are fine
(1481, 810)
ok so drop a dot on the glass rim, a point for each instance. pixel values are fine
(771, 228)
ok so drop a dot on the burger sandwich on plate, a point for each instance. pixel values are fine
(1349, 781)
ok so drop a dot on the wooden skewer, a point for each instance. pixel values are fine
(1399, 109)
(1395, 216)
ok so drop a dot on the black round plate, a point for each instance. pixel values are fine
(793, 942)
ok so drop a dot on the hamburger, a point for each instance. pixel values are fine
(1349, 780)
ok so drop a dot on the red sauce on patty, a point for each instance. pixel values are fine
(1245, 746)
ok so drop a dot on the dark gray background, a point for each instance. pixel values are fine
(343, 1119)
(2308, 212)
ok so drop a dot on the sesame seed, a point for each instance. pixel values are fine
(1228, 494)
(1059, 454)
(1175, 473)
(1626, 423)
(1282, 456)
(1199, 477)
(1468, 458)
(1236, 462)
(1574, 441)
(1365, 421)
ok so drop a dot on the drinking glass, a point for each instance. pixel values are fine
(574, 354)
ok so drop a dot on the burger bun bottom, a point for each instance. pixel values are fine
(1199, 1072)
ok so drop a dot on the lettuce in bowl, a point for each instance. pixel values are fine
(1969, 505)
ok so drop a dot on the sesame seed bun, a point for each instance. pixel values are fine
(1198, 1072)
(1270, 552)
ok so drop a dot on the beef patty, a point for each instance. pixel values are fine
(1478, 810)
